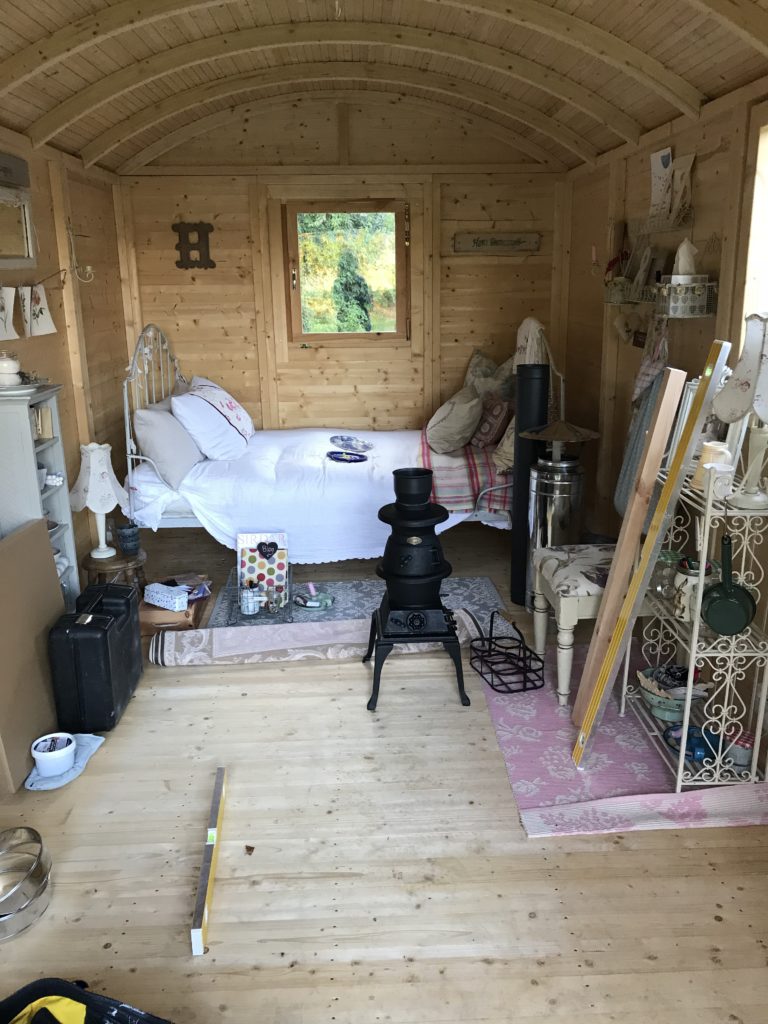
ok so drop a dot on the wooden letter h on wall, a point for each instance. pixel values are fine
(193, 238)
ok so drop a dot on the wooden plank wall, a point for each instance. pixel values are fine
(619, 190)
(229, 322)
(103, 320)
(483, 298)
(82, 355)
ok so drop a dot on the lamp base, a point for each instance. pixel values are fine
(749, 502)
(105, 552)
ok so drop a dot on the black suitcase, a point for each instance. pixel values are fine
(96, 660)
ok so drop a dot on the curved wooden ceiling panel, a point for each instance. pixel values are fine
(446, 85)
(371, 34)
(551, 68)
(220, 118)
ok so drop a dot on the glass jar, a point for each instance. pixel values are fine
(663, 576)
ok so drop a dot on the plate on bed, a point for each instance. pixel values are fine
(346, 457)
(348, 443)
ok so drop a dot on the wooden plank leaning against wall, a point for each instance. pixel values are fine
(57, 182)
(619, 190)
(458, 301)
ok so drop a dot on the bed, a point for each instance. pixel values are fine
(284, 481)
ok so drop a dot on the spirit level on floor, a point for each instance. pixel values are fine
(199, 931)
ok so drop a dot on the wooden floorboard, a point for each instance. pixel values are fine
(390, 879)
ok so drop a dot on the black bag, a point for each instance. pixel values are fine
(53, 1001)
(95, 657)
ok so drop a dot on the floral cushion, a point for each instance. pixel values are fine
(575, 570)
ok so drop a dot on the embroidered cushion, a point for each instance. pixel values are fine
(494, 420)
(486, 377)
(575, 570)
(504, 453)
(219, 425)
(455, 422)
(164, 440)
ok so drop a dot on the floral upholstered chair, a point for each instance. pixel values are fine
(570, 579)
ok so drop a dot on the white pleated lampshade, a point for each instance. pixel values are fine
(97, 487)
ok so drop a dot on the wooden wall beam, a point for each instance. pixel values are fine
(73, 313)
(447, 87)
(194, 129)
(262, 293)
(366, 34)
(129, 276)
(561, 269)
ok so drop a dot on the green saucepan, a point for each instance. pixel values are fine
(727, 607)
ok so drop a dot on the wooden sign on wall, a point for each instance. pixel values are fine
(501, 243)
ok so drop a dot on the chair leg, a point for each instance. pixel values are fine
(564, 663)
(540, 620)
(454, 649)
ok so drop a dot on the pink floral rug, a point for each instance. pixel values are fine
(625, 786)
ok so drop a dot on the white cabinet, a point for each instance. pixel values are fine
(30, 442)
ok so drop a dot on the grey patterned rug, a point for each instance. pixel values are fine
(354, 599)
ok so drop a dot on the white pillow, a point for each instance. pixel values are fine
(164, 440)
(219, 425)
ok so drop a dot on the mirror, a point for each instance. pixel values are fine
(16, 245)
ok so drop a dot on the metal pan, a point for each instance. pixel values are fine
(727, 607)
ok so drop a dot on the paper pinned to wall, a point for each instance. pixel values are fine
(7, 301)
(35, 315)
(661, 183)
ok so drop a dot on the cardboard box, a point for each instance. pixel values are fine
(154, 619)
(30, 603)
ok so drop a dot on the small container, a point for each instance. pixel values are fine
(54, 753)
(685, 583)
(663, 576)
(740, 749)
(251, 600)
(128, 539)
(42, 473)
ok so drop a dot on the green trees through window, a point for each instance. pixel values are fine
(348, 273)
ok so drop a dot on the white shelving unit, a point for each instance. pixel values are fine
(735, 667)
(21, 498)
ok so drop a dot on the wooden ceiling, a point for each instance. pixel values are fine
(119, 83)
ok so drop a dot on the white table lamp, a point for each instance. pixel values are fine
(97, 489)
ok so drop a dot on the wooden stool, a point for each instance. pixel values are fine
(110, 570)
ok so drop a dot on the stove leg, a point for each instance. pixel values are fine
(371, 639)
(382, 650)
(453, 648)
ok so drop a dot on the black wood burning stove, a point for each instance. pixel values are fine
(413, 567)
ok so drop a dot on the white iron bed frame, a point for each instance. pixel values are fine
(153, 374)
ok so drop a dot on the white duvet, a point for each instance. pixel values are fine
(284, 481)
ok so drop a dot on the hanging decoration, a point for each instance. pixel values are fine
(193, 245)
(35, 314)
(7, 301)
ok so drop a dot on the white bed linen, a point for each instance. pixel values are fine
(285, 482)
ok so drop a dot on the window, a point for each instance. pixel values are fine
(347, 270)
(16, 246)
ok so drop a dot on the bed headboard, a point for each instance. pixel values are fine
(152, 375)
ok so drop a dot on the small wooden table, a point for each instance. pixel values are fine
(110, 570)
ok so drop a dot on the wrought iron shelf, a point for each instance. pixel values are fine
(735, 667)
(654, 729)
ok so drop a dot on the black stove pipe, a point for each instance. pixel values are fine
(531, 410)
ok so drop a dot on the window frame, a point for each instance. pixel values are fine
(292, 265)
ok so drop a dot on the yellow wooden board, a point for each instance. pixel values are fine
(670, 492)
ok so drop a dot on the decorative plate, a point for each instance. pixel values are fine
(348, 443)
(18, 389)
(346, 457)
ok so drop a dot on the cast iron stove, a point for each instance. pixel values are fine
(413, 567)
